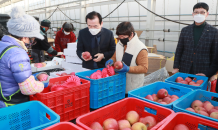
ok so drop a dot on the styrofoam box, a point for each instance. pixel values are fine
(54, 74)
(71, 66)
(73, 59)
(72, 45)
(70, 52)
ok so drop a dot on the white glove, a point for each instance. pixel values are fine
(60, 53)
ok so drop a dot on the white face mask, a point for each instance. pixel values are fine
(66, 33)
(199, 18)
(94, 31)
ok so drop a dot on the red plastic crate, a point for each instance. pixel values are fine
(119, 109)
(191, 121)
(64, 126)
(69, 103)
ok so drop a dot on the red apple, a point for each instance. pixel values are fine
(159, 100)
(181, 127)
(123, 124)
(178, 79)
(162, 93)
(188, 79)
(155, 97)
(212, 110)
(196, 103)
(174, 96)
(96, 126)
(190, 109)
(149, 97)
(110, 123)
(167, 100)
(183, 82)
(42, 77)
(132, 117)
(149, 121)
(73, 73)
(203, 113)
(208, 106)
(118, 65)
(198, 109)
(196, 84)
(191, 83)
(216, 107)
(200, 82)
(173, 99)
(86, 55)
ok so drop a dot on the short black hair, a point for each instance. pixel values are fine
(92, 15)
(201, 5)
(68, 27)
(125, 28)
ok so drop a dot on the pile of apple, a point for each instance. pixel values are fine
(64, 74)
(189, 81)
(132, 122)
(204, 108)
(162, 97)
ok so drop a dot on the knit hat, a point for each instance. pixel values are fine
(23, 25)
(45, 23)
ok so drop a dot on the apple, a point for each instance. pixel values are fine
(191, 83)
(149, 121)
(159, 100)
(196, 103)
(216, 107)
(162, 102)
(212, 110)
(188, 79)
(178, 79)
(162, 93)
(86, 55)
(42, 77)
(203, 113)
(172, 100)
(208, 106)
(110, 123)
(184, 82)
(181, 127)
(198, 109)
(190, 109)
(132, 117)
(196, 84)
(118, 65)
(169, 95)
(123, 124)
(174, 96)
(167, 100)
(200, 82)
(149, 97)
(139, 126)
(96, 126)
(64, 74)
(155, 97)
(214, 115)
(73, 73)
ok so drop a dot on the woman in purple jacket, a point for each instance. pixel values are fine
(15, 71)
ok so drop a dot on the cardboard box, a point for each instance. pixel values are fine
(169, 64)
(55, 63)
(70, 52)
(155, 63)
(73, 59)
(72, 45)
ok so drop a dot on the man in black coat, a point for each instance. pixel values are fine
(96, 40)
(40, 46)
(197, 44)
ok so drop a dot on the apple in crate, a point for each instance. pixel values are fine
(190, 109)
(162, 93)
(96, 126)
(203, 113)
(149, 121)
(212, 110)
(208, 106)
(139, 126)
(155, 97)
(214, 115)
(174, 96)
(167, 100)
(118, 65)
(196, 103)
(179, 79)
(192, 83)
(149, 97)
(123, 124)
(110, 123)
(181, 127)
(200, 82)
(188, 79)
(132, 117)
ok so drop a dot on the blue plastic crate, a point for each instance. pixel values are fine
(203, 86)
(153, 88)
(106, 90)
(187, 100)
(31, 115)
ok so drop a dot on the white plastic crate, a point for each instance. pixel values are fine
(70, 52)
(71, 45)
(73, 59)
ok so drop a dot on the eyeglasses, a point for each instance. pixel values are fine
(202, 12)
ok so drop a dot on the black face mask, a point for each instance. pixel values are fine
(124, 41)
